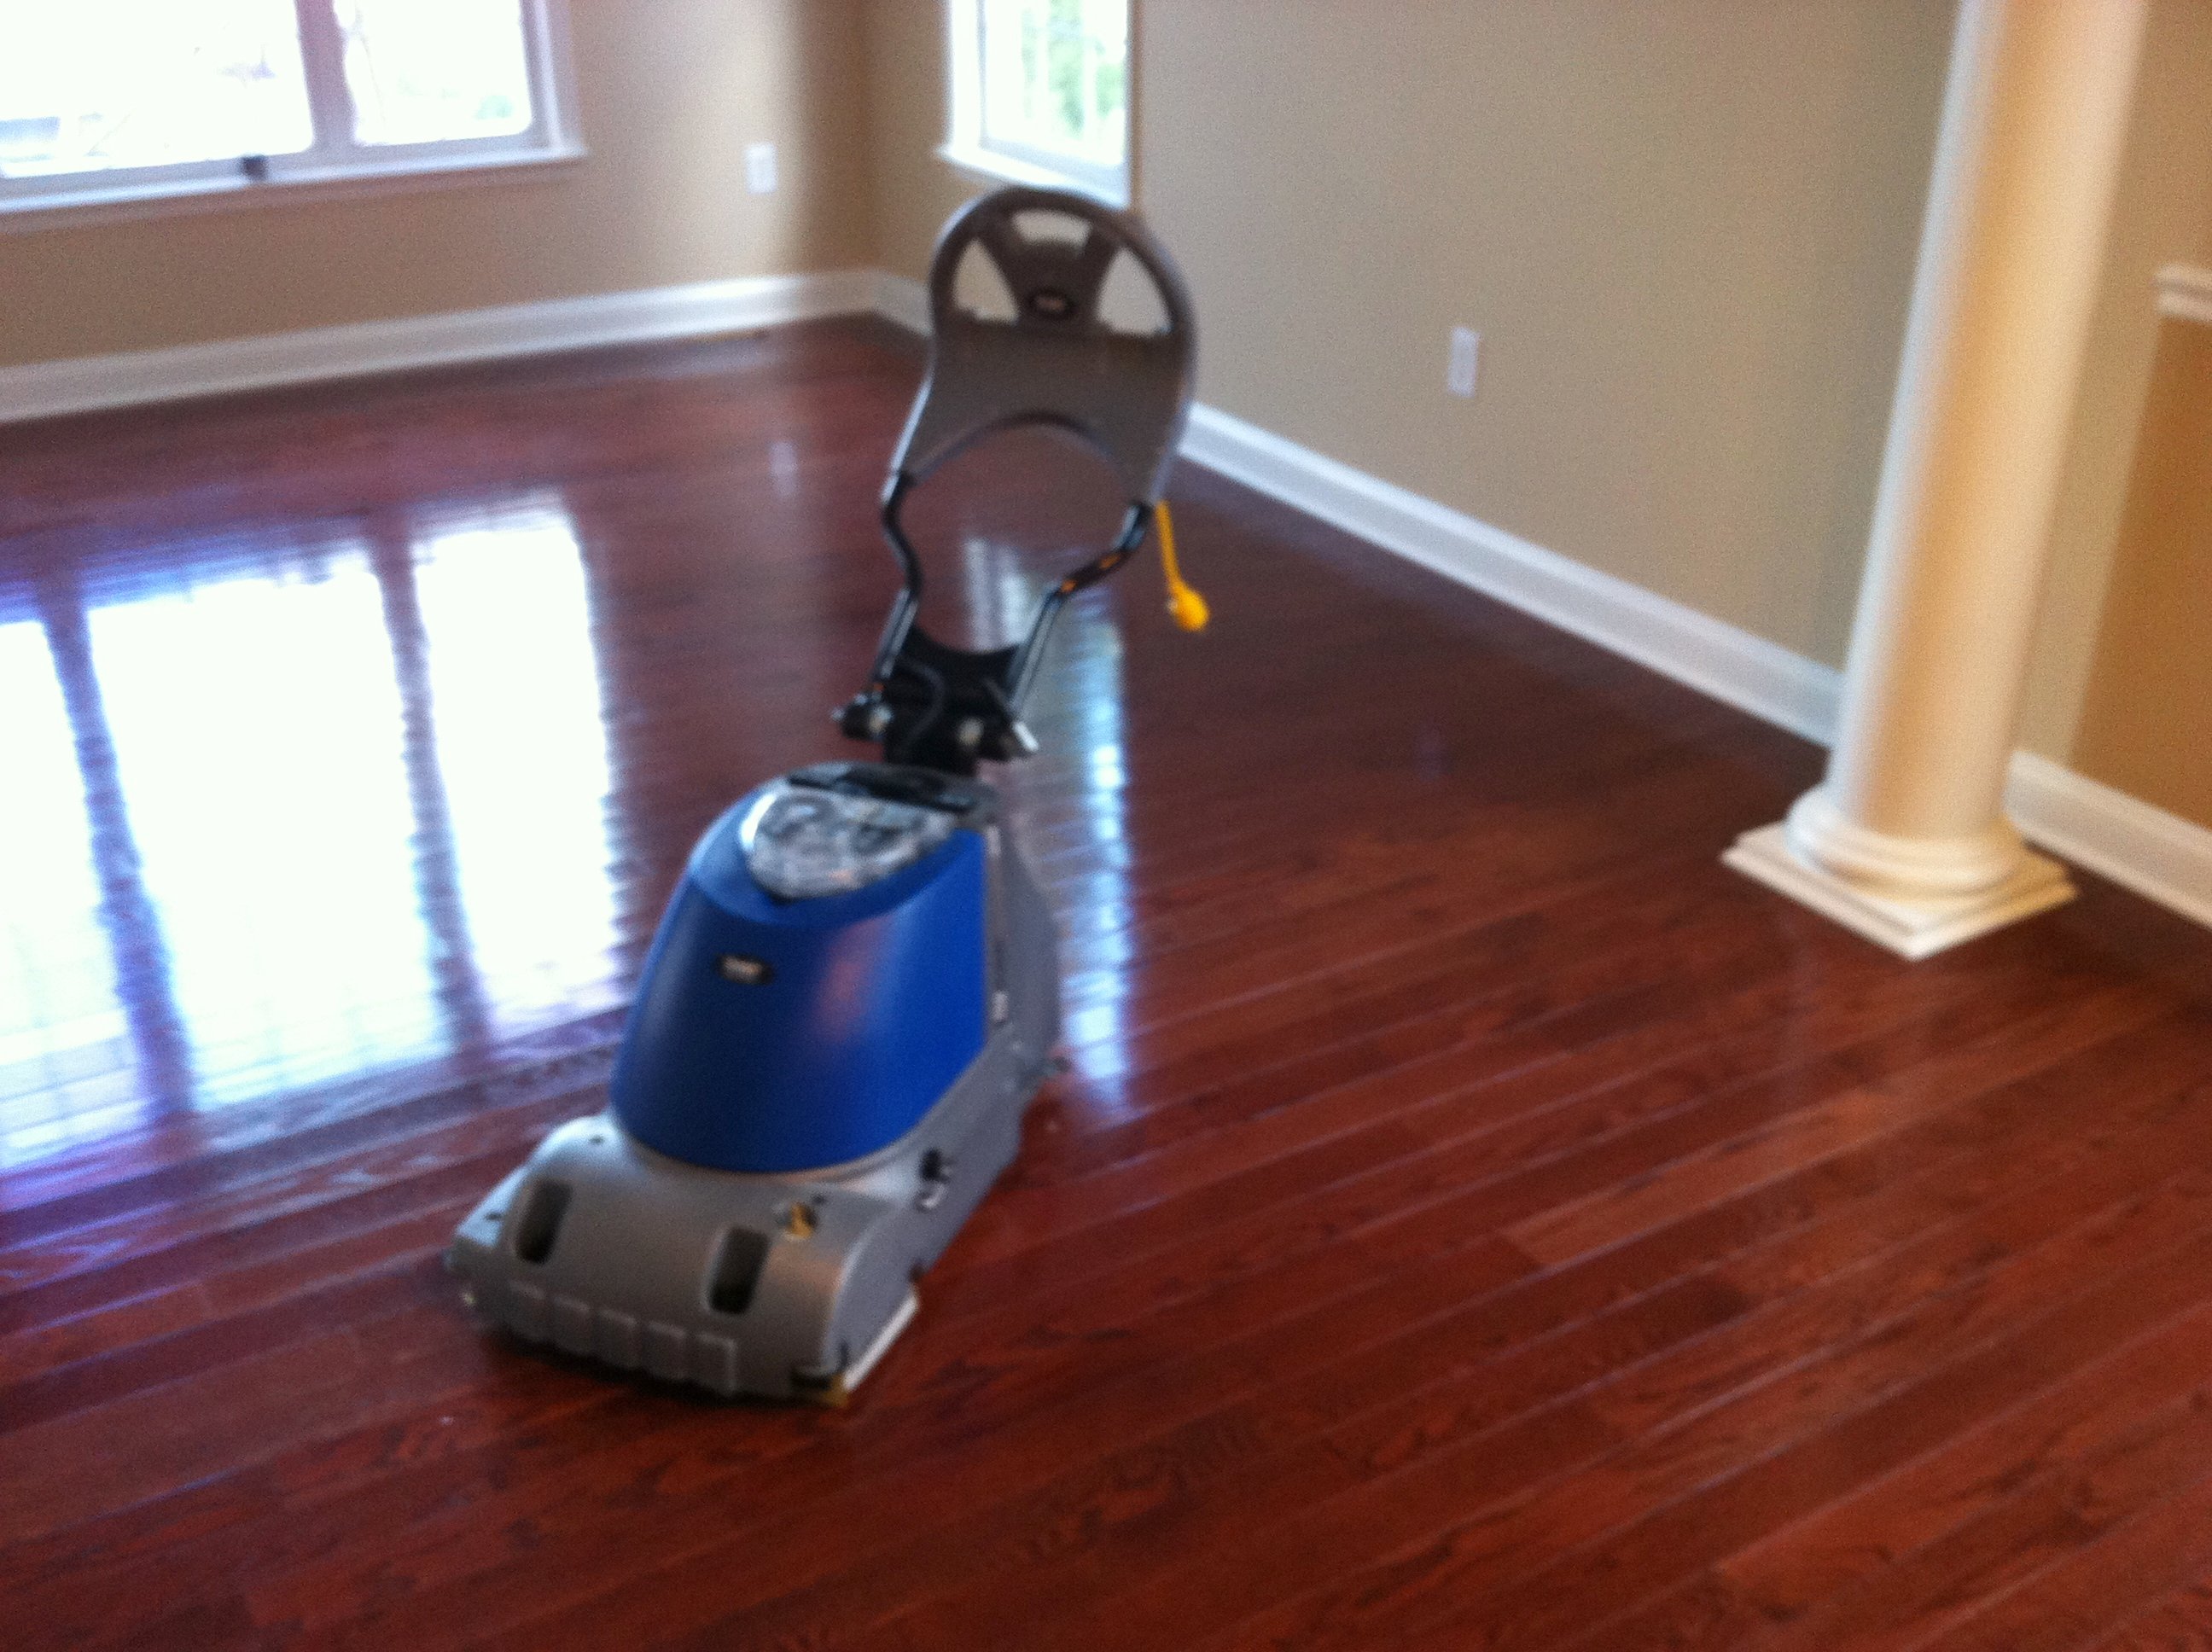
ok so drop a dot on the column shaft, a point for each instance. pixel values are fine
(1908, 825)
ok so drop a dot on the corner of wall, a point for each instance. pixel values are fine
(2164, 213)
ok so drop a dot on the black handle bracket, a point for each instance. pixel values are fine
(937, 707)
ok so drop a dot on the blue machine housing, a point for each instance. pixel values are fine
(871, 1005)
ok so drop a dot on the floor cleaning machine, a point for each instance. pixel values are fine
(854, 993)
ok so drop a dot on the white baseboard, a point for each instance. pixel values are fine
(1718, 658)
(2157, 855)
(697, 309)
(903, 300)
(1715, 657)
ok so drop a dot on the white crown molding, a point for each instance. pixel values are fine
(697, 309)
(2185, 292)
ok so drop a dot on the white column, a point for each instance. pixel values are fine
(1906, 840)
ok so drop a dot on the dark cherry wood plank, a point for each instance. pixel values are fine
(2179, 1623)
(1471, 1217)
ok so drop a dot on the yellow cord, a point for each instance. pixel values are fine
(1184, 603)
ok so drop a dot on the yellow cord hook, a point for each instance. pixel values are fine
(1184, 603)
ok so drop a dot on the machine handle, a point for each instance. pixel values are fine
(1055, 362)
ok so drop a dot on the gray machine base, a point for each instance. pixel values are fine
(787, 1285)
(822, 1279)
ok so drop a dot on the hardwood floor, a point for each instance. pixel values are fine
(1471, 1218)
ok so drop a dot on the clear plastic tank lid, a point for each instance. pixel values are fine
(803, 842)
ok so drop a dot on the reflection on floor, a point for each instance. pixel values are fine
(295, 810)
(315, 798)
(1471, 1217)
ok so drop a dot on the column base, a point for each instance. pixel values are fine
(1912, 927)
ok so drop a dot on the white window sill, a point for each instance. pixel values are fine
(94, 205)
(993, 167)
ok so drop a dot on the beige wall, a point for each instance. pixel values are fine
(913, 191)
(2163, 215)
(2146, 723)
(671, 91)
(1686, 233)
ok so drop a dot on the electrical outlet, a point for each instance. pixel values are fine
(760, 168)
(1462, 361)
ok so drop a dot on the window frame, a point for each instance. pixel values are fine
(966, 147)
(334, 163)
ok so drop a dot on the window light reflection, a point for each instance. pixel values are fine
(66, 1063)
(1077, 709)
(522, 748)
(257, 736)
(1087, 710)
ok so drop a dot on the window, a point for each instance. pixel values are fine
(117, 101)
(1041, 92)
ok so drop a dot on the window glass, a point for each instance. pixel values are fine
(89, 85)
(425, 72)
(1055, 78)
